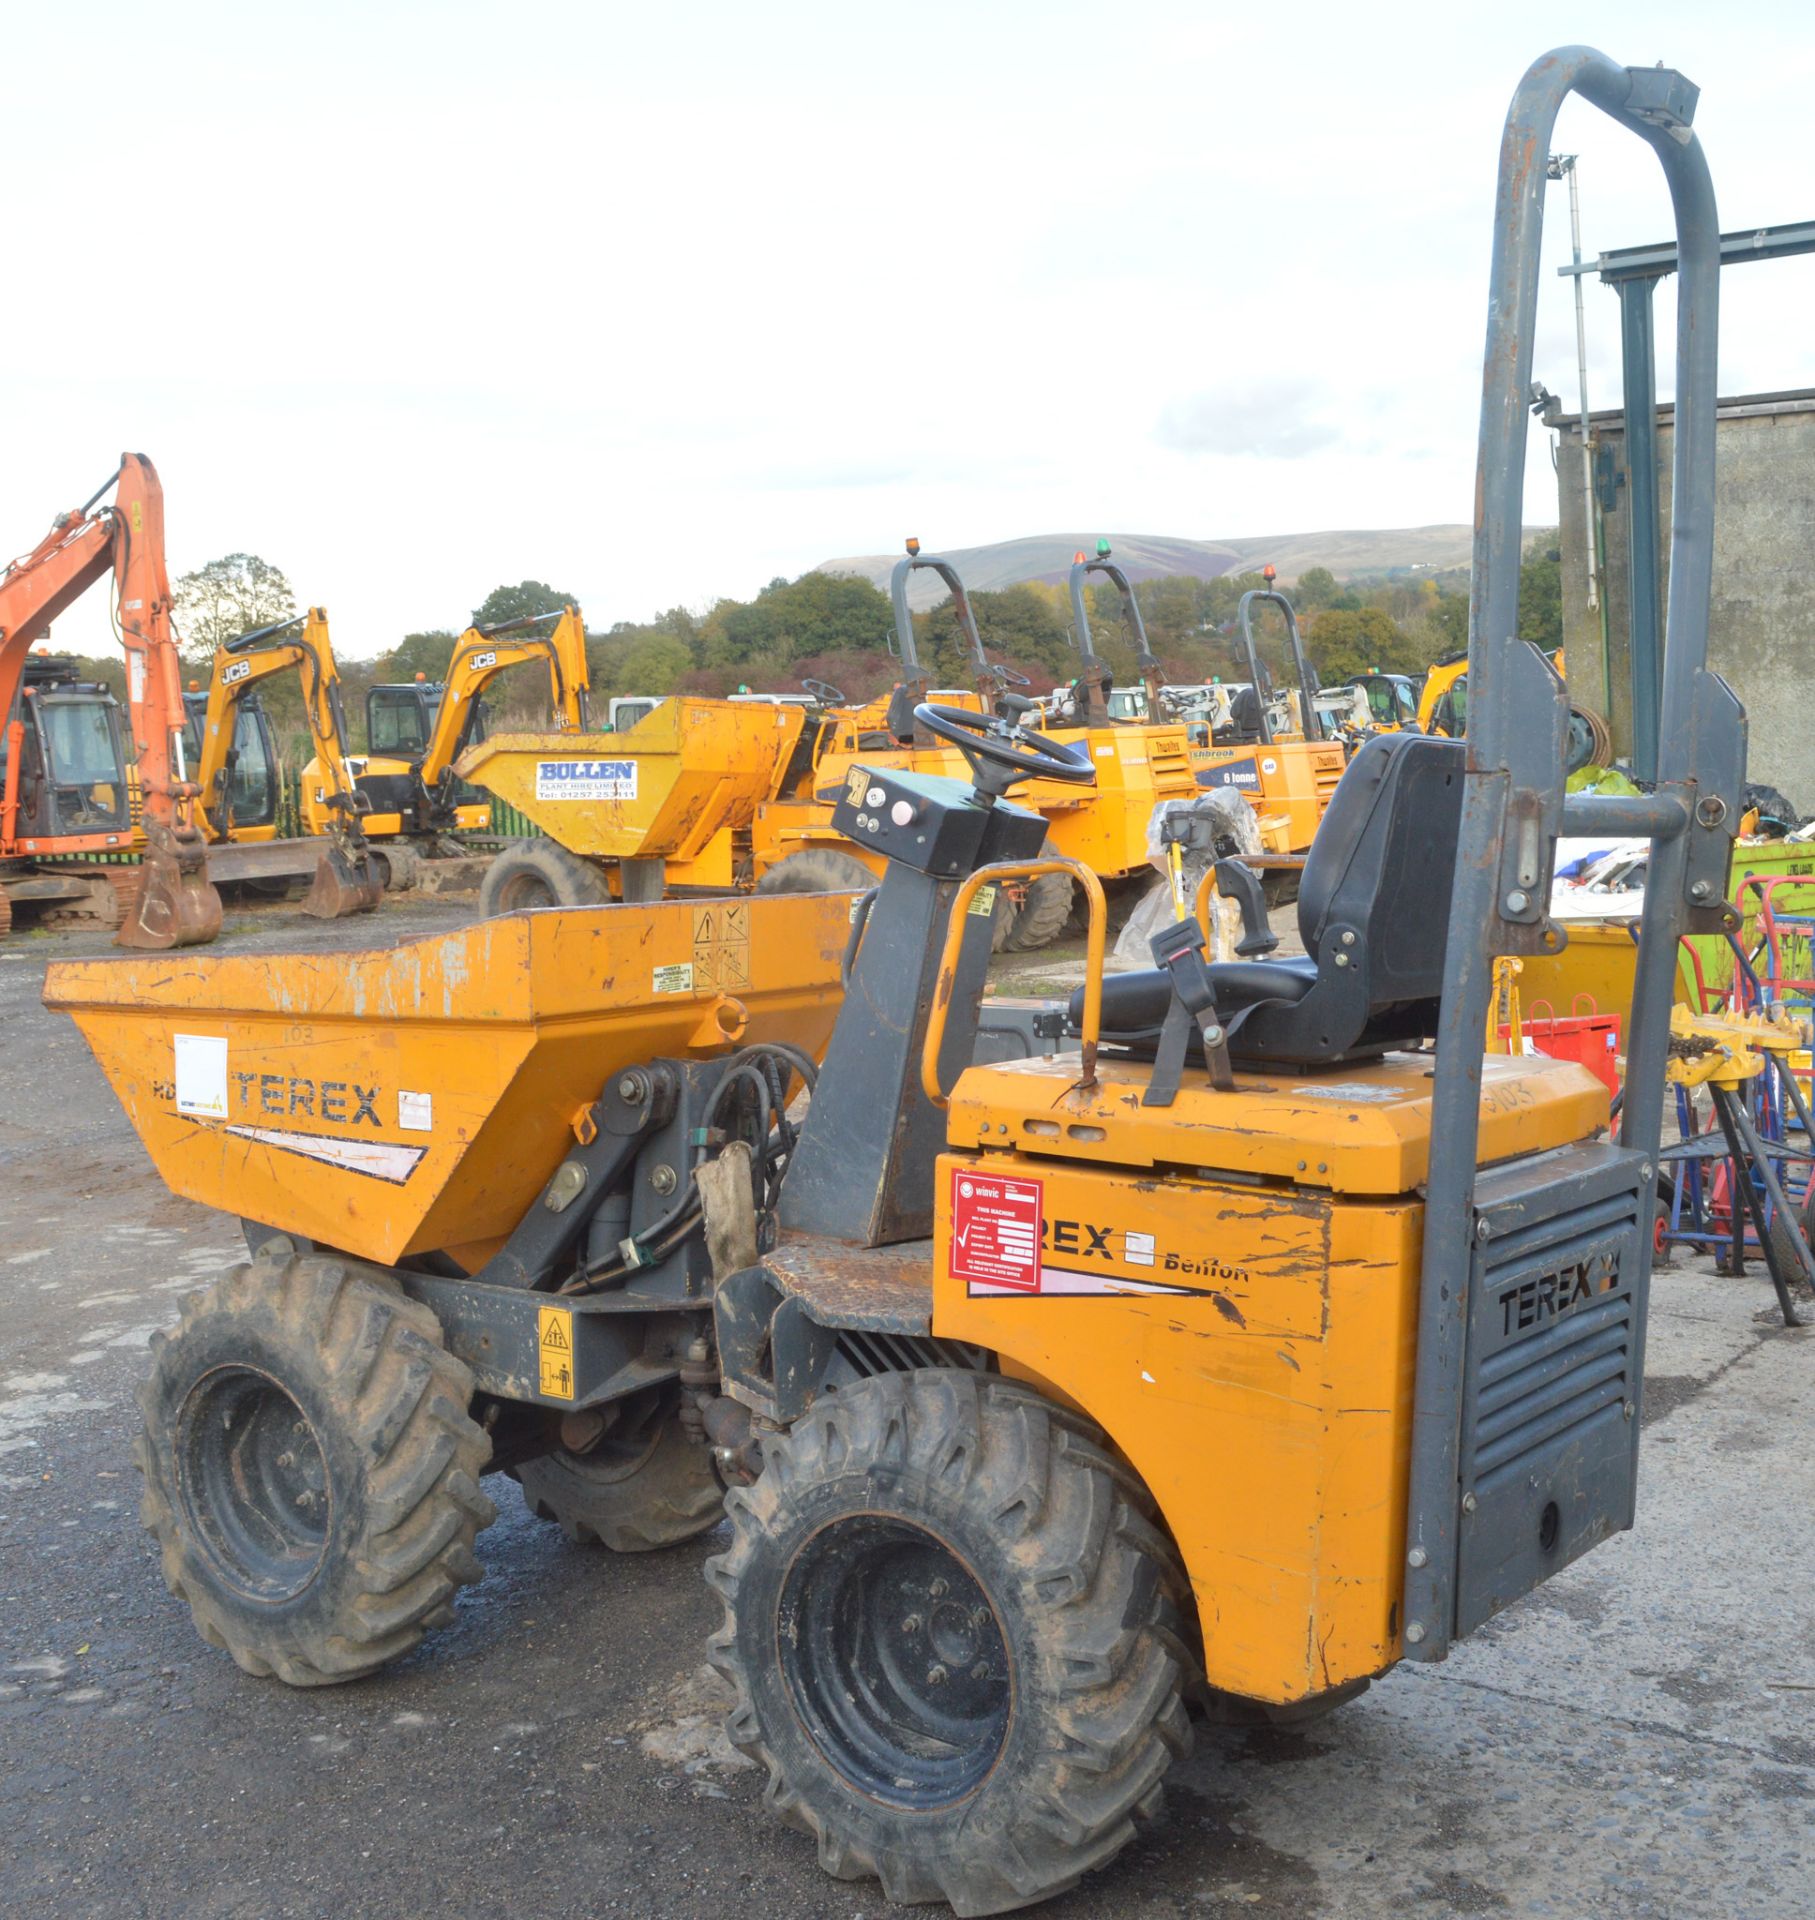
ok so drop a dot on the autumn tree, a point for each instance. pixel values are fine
(523, 601)
(228, 597)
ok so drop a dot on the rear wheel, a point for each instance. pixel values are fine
(540, 873)
(818, 870)
(311, 1471)
(954, 1639)
(1042, 914)
(639, 1485)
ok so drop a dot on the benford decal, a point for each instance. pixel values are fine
(586, 779)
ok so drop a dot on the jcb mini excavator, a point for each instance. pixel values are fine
(165, 899)
(345, 873)
(415, 735)
(1231, 1349)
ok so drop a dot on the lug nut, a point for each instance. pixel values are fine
(938, 1589)
(936, 1676)
(286, 1459)
(980, 1671)
(911, 1624)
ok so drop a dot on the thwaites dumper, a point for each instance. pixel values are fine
(1237, 1349)
(1289, 773)
(1102, 825)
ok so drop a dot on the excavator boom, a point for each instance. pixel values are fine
(176, 907)
(346, 878)
(482, 653)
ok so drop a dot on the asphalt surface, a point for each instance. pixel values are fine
(1635, 1739)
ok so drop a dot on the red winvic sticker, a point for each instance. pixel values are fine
(995, 1232)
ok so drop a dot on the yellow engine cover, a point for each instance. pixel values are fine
(1229, 1287)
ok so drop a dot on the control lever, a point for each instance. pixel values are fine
(1237, 881)
(1179, 950)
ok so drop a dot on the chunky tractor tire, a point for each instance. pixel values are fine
(644, 1485)
(311, 1472)
(1043, 914)
(954, 1640)
(818, 870)
(540, 873)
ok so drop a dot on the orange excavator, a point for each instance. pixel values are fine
(58, 802)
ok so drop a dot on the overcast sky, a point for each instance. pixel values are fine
(658, 302)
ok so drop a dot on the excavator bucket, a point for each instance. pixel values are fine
(177, 905)
(347, 881)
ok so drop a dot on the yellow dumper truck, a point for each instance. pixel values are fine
(1230, 1346)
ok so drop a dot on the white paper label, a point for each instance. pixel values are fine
(586, 779)
(201, 1074)
(416, 1112)
(677, 978)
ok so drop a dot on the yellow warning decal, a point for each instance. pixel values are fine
(983, 901)
(554, 1351)
(721, 945)
(856, 785)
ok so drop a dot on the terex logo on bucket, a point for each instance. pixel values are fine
(586, 779)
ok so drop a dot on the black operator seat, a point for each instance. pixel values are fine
(1373, 912)
(1247, 721)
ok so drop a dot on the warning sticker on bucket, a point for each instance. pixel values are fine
(995, 1232)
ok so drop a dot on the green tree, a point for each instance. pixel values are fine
(228, 597)
(418, 653)
(792, 620)
(1316, 588)
(1541, 596)
(1351, 640)
(526, 599)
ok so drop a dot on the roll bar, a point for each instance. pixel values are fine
(990, 682)
(1307, 680)
(1513, 797)
(1081, 569)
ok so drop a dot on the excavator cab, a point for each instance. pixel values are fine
(400, 719)
(252, 777)
(71, 740)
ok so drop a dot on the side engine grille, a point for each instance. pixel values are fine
(866, 1353)
(1551, 1386)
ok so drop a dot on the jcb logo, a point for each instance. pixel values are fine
(483, 660)
(235, 672)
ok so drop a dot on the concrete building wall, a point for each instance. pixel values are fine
(1762, 632)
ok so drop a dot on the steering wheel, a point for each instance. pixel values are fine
(983, 739)
(824, 692)
(1009, 677)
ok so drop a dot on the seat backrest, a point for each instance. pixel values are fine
(1384, 861)
(1246, 718)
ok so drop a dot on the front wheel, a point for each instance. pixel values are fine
(954, 1641)
(311, 1470)
(540, 873)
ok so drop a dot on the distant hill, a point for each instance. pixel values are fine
(1352, 555)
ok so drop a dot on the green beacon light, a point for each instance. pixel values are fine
(1102, 549)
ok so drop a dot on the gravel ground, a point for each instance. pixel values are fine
(1636, 1739)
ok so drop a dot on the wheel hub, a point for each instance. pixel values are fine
(253, 1482)
(895, 1661)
